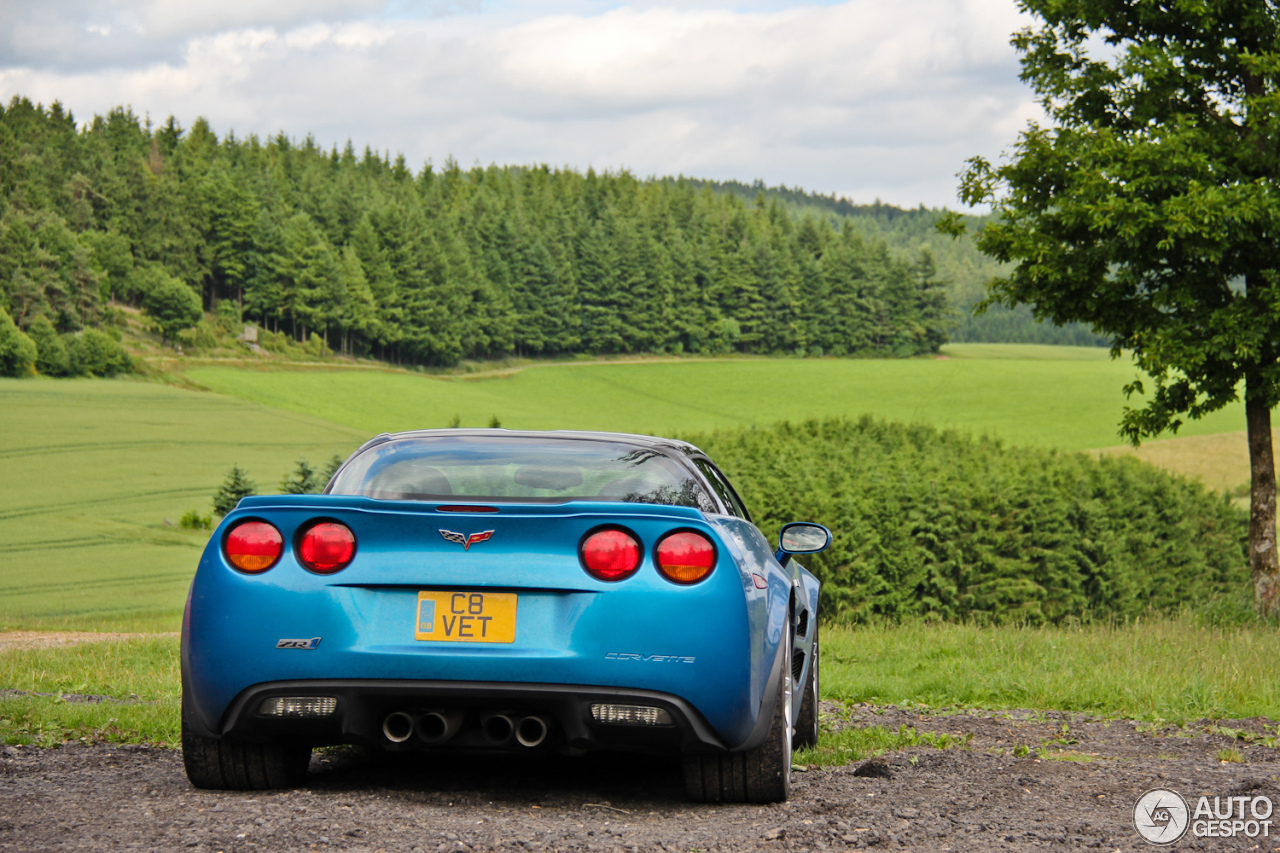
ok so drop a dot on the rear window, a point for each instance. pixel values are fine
(501, 468)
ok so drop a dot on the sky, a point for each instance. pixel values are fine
(867, 99)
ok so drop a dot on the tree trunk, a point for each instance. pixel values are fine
(1262, 501)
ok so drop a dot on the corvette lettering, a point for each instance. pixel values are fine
(649, 658)
(466, 540)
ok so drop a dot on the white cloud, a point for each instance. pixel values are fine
(865, 99)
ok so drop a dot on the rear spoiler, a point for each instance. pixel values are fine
(577, 506)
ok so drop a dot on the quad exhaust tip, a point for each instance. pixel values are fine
(397, 727)
(531, 731)
(436, 727)
(432, 728)
(498, 728)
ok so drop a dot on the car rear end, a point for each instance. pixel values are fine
(452, 624)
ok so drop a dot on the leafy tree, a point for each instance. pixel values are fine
(193, 520)
(1150, 208)
(93, 352)
(236, 486)
(172, 305)
(17, 351)
(53, 358)
(302, 480)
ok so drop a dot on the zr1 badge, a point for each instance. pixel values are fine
(298, 644)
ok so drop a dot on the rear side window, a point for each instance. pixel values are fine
(723, 489)
(503, 468)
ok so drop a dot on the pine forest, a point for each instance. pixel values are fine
(441, 264)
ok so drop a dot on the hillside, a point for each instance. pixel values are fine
(434, 266)
(438, 265)
(1055, 397)
(104, 548)
(959, 266)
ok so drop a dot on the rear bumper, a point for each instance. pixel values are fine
(364, 704)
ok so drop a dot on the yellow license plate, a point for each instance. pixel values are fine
(466, 617)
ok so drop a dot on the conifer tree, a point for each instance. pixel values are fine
(236, 486)
(303, 480)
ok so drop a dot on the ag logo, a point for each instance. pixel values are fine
(464, 540)
(1161, 816)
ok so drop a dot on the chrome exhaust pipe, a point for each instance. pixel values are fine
(497, 728)
(531, 731)
(397, 727)
(436, 727)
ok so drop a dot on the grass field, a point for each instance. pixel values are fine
(1219, 461)
(1163, 668)
(1064, 397)
(97, 472)
(1167, 669)
(100, 470)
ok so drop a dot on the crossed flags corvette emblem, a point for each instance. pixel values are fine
(464, 540)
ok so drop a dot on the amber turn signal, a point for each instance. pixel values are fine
(685, 557)
(253, 546)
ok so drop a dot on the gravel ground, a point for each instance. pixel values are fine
(109, 797)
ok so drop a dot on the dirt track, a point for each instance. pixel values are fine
(983, 798)
(54, 639)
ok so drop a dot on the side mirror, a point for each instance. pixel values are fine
(801, 537)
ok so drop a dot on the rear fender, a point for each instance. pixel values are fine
(770, 616)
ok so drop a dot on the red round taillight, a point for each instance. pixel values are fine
(685, 557)
(327, 547)
(611, 554)
(253, 546)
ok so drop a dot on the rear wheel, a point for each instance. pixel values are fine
(222, 765)
(807, 724)
(760, 775)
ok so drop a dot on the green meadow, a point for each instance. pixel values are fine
(1064, 397)
(1159, 668)
(98, 472)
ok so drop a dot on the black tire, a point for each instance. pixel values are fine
(226, 766)
(760, 775)
(807, 724)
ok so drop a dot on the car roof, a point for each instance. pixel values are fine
(579, 435)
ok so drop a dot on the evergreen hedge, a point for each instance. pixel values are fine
(936, 524)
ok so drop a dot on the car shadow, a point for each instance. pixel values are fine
(608, 779)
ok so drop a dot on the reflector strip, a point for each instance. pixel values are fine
(631, 715)
(298, 706)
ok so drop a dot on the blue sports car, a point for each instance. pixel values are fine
(501, 590)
